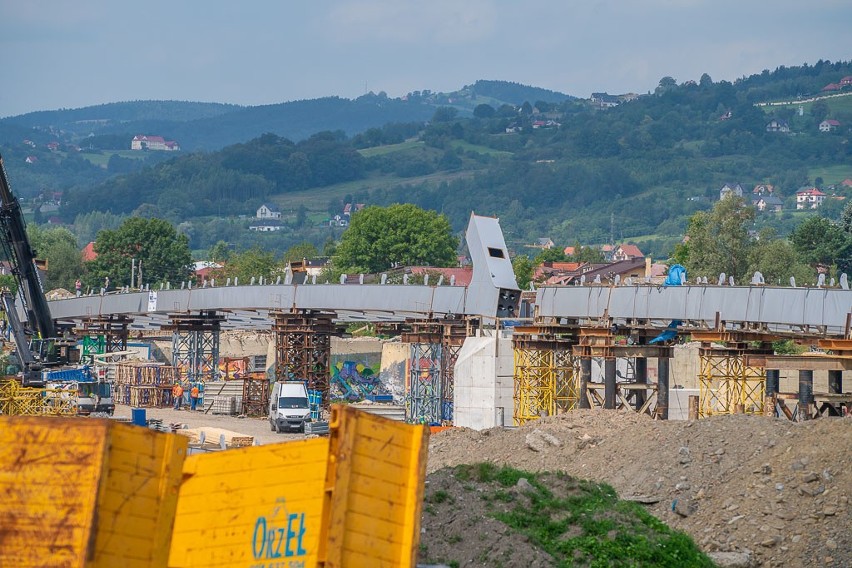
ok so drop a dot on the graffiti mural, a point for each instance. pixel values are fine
(353, 379)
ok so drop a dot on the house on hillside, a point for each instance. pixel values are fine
(847, 80)
(351, 208)
(763, 189)
(144, 142)
(265, 228)
(266, 211)
(768, 202)
(88, 253)
(625, 252)
(542, 243)
(729, 190)
(338, 221)
(776, 125)
(809, 198)
(831, 87)
(828, 125)
(604, 100)
(846, 183)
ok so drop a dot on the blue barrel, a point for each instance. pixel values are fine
(138, 417)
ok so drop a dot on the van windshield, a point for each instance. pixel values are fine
(292, 402)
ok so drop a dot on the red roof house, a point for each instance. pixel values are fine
(88, 252)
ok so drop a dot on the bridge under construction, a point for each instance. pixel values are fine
(474, 362)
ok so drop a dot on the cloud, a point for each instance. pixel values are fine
(444, 22)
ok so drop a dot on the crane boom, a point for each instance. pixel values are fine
(22, 256)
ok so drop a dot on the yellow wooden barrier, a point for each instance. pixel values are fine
(86, 492)
(83, 492)
(251, 507)
(374, 491)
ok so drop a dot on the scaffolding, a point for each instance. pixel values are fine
(546, 379)
(195, 344)
(16, 400)
(423, 401)
(728, 385)
(435, 347)
(303, 348)
(255, 400)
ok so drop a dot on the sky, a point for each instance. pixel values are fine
(60, 54)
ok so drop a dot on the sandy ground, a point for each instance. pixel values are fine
(256, 427)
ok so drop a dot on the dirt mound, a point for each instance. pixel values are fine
(775, 489)
(59, 294)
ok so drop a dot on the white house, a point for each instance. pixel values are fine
(828, 125)
(266, 211)
(809, 198)
(143, 142)
(728, 190)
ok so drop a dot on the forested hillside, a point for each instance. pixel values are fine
(550, 165)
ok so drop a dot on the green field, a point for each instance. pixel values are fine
(468, 147)
(316, 199)
(102, 159)
(831, 175)
(390, 148)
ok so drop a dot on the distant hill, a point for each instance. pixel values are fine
(515, 93)
(212, 126)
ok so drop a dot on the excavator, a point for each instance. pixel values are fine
(40, 351)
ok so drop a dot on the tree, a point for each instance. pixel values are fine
(380, 238)
(444, 114)
(163, 252)
(300, 251)
(719, 241)
(523, 268)
(252, 263)
(776, 260)
(484, 111)
(818, 241)
(220, 252)
(58, 246)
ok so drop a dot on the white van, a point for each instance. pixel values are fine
(289, 408)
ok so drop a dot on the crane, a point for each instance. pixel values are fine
(45, 349)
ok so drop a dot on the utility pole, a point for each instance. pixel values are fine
(132, 271)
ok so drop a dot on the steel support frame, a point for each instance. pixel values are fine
(104, 334)
(728, 385)
(546, 373)
(435, 346)
(195, 344)
(303, 348)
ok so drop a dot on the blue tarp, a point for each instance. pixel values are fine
(677, 274)
(668, 334)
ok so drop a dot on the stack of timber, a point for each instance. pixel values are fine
(352, 499)
(143, 384)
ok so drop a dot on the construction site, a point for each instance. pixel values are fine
(681, 397)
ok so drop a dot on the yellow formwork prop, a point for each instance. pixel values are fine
(84, 492)
(728, 386)
(16, 400)
(545, 383)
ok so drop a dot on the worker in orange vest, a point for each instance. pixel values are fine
(193, 397)
(177, 395)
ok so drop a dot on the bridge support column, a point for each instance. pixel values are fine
(195, 344)
(435, 345)
(663, 388)
(835, 382)
(585, 378)
(640, 377)
(609, 383)
(806, 394)
(545, 375)
(303, 348)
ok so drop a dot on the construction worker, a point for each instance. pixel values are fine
(177, 395)
(193, 397)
